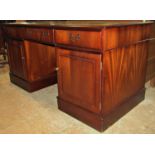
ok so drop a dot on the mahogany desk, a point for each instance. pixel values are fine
(101, 67)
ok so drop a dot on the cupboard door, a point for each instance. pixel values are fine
(41, 60)
(79, 78)
(17, 58)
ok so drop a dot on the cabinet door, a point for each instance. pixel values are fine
(41, 60)
(79, 78)
(17, 58)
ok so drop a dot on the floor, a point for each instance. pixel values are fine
(23, 112)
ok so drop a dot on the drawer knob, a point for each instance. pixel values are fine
(57, 68)
(74, 37)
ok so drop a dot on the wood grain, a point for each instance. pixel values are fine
(122, 36)
(100, 69)
(79, 78)
(124, 74)
(16, 55)
(40, 34)
(40, 60)
(85, 39)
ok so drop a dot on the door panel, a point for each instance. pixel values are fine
(41, 60)
(16, 58)
(124, 74)
(79, 78)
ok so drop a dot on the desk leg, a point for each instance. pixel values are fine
(152, 82)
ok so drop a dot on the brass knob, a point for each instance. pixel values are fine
(57, 68)
(74, 37)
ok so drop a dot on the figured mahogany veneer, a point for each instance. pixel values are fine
(39, 34)
(42, 58)
(124, 72)
(32, 64)
(15, 32)
(101, 69)
(16, 56)
(79, 78)
(79, 38)
(125, 35)
(98, 88)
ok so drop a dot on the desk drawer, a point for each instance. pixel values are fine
(15, 32)
(11, 31)
(85, 39)
(40, 34)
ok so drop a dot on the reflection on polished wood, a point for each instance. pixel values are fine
(101, 67)
(32, 63)
(98, 87)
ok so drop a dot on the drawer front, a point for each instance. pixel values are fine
(85, 39)
(20, 31)
(40, 34)
(15, 32)
(10, 31)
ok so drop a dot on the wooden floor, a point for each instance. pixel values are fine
(23, 112)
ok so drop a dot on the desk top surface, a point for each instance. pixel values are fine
(78, 24)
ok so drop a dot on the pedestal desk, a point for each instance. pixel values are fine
(100, 67)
